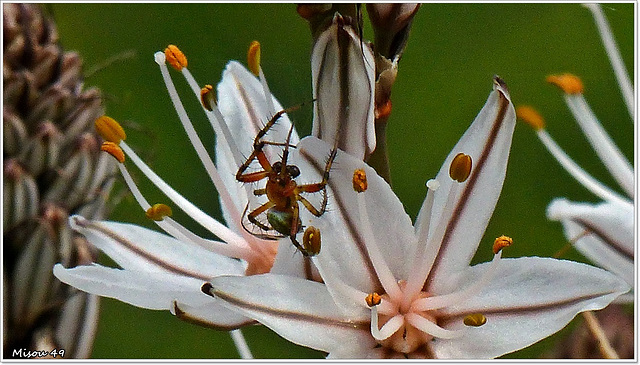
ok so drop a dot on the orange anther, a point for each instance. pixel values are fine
(570, 84)
(175, 57)
(109, 129)
(207, 97)
(253, 57)
(360, 180)
(373, 299)
(158, 211)
(501, 242)
(311, 240)
(114, 150)
(530, 116)
(460, 168)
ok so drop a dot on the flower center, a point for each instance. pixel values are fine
(406, 326)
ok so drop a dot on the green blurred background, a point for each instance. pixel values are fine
(444, 79)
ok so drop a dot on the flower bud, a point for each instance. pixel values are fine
(343, 86)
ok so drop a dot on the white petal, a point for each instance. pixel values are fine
(213, 314)
(289, 261)
(487, 141)
(241, 101)
(343, 248)
(299, 310)
(608, 241)
(530, 299)
(150, 290)
(343, 85)
(141, 249)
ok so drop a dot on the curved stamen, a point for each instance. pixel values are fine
(441, 301)
(217, 121)
(181, 233)
(388, 281)
(431, 249)
(614, 56)
(223, 232)
(197, 144)
(586, 180)
(431, 328)
(388, 329)
(423, 224)
(603, 145)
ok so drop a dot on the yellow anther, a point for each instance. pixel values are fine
(158, 211)
(114, 150)
(109, 129)
(530, 116)
(373, 299)
(570, 84)
(501, 242)
(311, 240)
(475, 320)
(460, 168)
(360, 180)
(253, 57)
(207, 97)
(175, 57)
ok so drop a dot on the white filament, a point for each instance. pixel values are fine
(386, 277)
(431, 328)
(198, 146)
(446, 300)
(218, 123)
(602, 144)
(388, 329)
(588, 181)
(417, 278)
(223, 232)
(180, 232)
(614, 56)
(267, 93)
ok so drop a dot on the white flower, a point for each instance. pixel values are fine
(392, 290)
(159, 271)
(165, 272)
(604, 231)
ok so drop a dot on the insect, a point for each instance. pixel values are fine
(283, 192)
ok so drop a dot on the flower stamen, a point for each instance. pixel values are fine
(158, 212)
(253, 58)
(568, 83)
(114, 150)
(430, 327)
(311, 241)
(373, 299)
(253, 61)
(445, 300)
(388, 281)
(500, 243)
(388, 329)
(207, 97)
(109, 129)
(460, 168)
(175, 57)
(530, 116)
(360, 180)
(475, 320)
